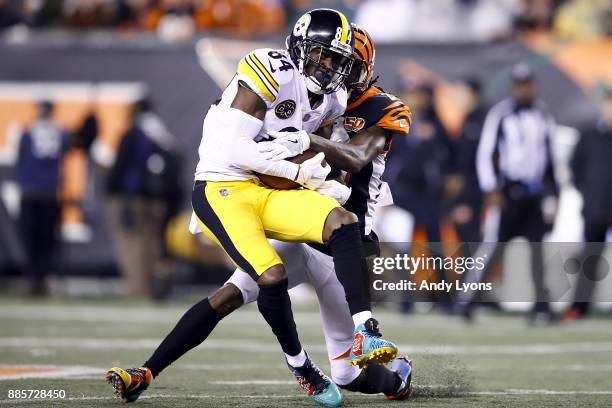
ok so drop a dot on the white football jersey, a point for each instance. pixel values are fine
(273, 76)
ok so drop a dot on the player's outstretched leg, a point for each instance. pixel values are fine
(129, 383)
(191, 330)
(316, 384)
(342, 233)
(393, 382)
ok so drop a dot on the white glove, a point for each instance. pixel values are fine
(274, 151)
(339, 133)
(296, 142)
(335, 190)
(311, 173)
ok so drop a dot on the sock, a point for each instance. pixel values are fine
(346, 249)
(275, 306)
(361, 317)
(193, 328)
(296, 361)
(374, 379)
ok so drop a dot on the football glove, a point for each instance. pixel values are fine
(312, 173)
(335, 190)
(274, 151)
(339, 134)
(296, 142)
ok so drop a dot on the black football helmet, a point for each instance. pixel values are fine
(321, 46)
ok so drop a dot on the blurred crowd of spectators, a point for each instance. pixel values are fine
(171, 19)
(387, 20)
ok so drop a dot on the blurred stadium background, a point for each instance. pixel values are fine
(103, 68)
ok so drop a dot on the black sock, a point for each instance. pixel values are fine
(374, 379)
(193, 328)
(349, 263)
(275, 306)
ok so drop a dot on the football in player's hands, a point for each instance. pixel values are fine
(281, 183)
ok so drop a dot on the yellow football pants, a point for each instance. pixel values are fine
(240, 216)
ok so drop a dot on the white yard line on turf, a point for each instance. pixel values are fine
(120, 315)
(155, 396)
(539, 392)
(578, 367)
(75, 372)
(511, 391)
(226, 367)
(253, 382)
(247, 316)
(49, 371)
(271, 347)
(130, 344)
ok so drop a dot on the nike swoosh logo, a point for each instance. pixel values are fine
(292, 141)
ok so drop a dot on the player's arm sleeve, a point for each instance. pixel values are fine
(256, 72)
(396, 119)
(485, 168)
(241, 128)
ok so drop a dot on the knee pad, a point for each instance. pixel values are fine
(247, 286)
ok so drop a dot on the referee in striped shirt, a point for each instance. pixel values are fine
(515, 172)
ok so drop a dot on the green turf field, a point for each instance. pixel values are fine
(498, 361)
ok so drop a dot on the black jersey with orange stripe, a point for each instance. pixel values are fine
(376, 107)
(372, 108)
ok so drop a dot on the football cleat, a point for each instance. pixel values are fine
(369, 346)
(403, 368)
(130, 383)
(316, 384)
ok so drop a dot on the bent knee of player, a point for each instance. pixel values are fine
(226, 299)
(337, 218)
(272, 275)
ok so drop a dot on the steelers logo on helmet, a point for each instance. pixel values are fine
(321, 46)
(285, 109)
(301, 26)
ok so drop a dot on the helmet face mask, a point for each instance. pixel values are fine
(325, 70)
(321, 46)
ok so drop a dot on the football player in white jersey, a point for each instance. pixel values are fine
(293, 90)
(358, 146)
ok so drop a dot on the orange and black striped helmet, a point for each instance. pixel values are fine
(363, 66)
